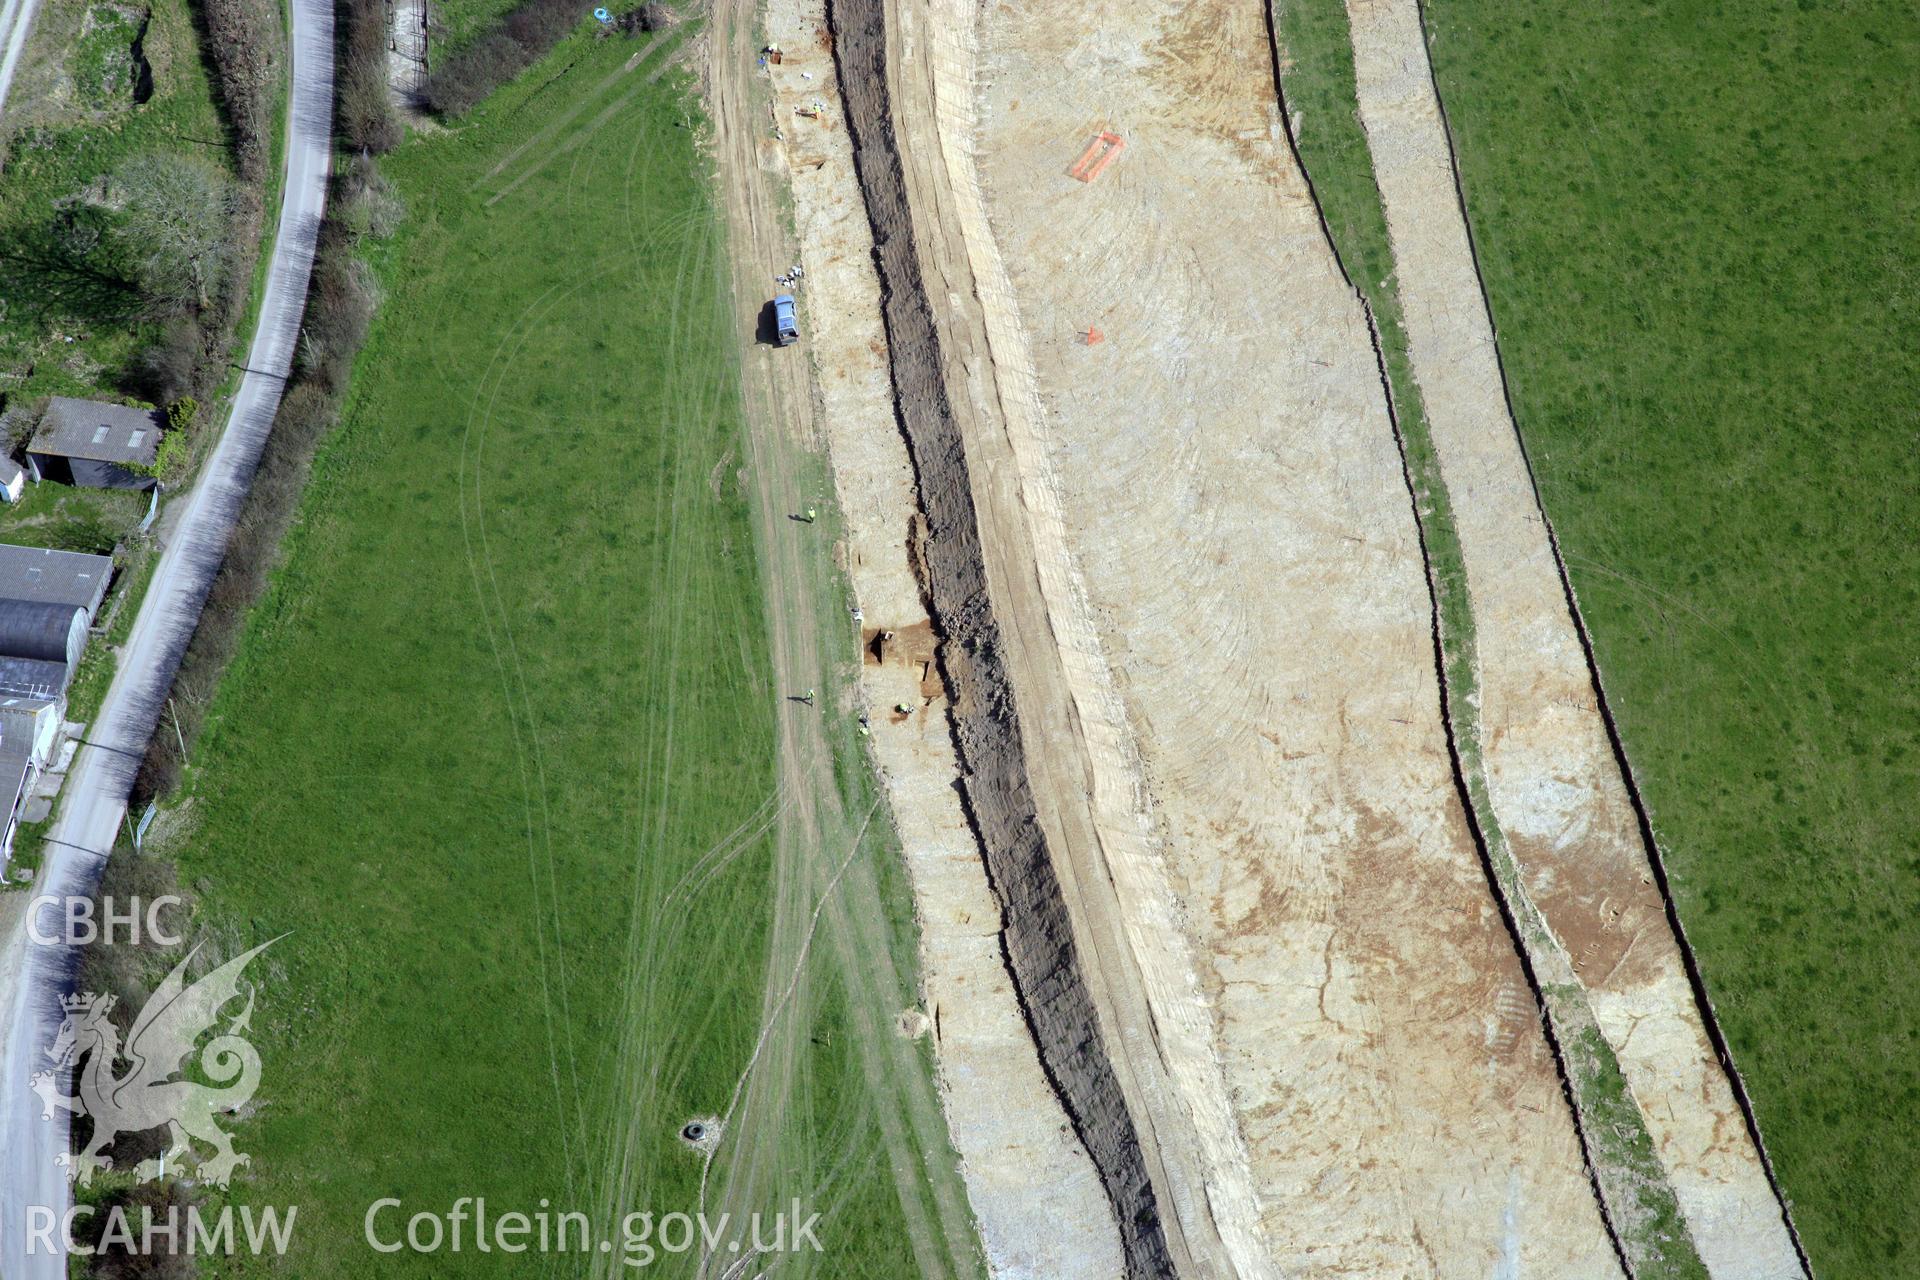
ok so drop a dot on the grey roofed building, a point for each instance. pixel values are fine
(32, 678)
(54, 577)
(28, 728)
(40, 645)
(92, 443)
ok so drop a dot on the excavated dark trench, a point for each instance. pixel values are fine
(1036, 934)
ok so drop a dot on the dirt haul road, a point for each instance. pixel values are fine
(1557, 788)
(1200, 721)
(1034, 1193)
(1002, 1117)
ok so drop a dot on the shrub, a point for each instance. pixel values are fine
(243, 43)
(339, 308)
(170, 458)
(127, 969)
(160, 769)
(163, 369)
(174, 227)
(363, 110)
(365, 202)
(648, 17)
(182, 412)
(157, 1200)
(522, 37)
(217, 325)
(18, 424)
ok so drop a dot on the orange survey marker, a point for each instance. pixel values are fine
(1098, 155)
(1094, 335)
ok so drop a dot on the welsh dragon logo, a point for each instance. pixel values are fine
(162, 1040)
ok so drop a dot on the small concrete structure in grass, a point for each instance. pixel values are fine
(95, 444)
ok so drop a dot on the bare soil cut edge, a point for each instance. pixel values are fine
(1455, 763)
(1036, 935)
(992, 463)
(1036, 1198)
(1618, 1195)
(1643, 823)
(1212, 1175)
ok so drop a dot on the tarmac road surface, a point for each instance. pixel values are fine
(16, 21)
(97, 786)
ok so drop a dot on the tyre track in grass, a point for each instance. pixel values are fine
(574, 141)
(653, 1068)
(495, 623)
(780, 434)
(567, 117)
(648, 1066)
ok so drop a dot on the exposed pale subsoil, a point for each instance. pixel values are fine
(1557, 787)
(1038, 1202)
(1038, 936)
(827, 901)
(1205, 571)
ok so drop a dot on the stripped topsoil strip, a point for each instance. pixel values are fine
(1631, 1195)
(1556, 774)
(1616, 744)
(1036, 935)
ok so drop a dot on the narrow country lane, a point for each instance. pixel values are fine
(16, 23)
(97, 788)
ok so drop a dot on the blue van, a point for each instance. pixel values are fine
(786, 329)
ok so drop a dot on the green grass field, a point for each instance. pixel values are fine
(508, 693)
(1697, 228)
(458, 22)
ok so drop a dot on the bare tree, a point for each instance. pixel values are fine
(173, 226)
